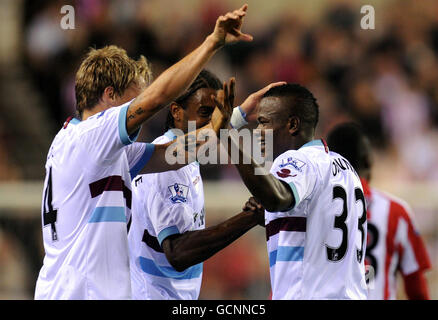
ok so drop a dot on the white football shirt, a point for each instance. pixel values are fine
(316, 249)
(164, 204)
(85, 208)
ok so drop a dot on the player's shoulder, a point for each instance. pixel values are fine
(101, 118)
(66, 135)
(398, 206)
(158, 180)
(292, 158)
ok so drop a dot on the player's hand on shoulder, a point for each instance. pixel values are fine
(249, 106)
(255, 207)
(228, 27)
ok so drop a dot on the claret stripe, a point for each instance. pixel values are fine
(151, 241)
(285, 224)
(111, 183)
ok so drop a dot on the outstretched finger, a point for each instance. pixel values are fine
(226, 101)
(270, 86)
(219, 104)
(242, 36)
(249, 206)
(255, 203)
(277, 84)
(231, 93)
(232, 16)
(240, 13)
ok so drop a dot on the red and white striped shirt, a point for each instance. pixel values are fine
(393, 243)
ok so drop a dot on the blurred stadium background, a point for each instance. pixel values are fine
(386, 79)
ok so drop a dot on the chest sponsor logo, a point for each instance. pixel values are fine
(179, 193)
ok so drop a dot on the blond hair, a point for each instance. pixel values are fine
(109, 66)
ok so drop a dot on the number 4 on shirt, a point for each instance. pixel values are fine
(50, 214)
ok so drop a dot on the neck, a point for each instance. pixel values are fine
(301, 141)
(96, 109)
(294, 144)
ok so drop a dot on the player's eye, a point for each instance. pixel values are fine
(205, 111)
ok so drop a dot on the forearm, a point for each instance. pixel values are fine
(179, 152)
(169, 85)
(271, 192)
(194, 247)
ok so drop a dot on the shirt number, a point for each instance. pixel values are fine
(50, 214)
(337, 254)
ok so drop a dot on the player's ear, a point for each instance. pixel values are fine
(176, 111)
(108, 95)
(294, 125)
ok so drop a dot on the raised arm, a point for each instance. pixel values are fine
(273, 194)
(177, 78)
(159, 161)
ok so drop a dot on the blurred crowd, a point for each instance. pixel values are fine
(383, 78)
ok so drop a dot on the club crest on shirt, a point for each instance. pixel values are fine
(179, 193)
(297, 164)
(285, 173)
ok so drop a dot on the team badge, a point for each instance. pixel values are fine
(285, 173)
(179, 193)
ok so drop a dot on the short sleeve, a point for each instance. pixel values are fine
(294, 168)
(168, 205)
(106, 134)
(138, 155)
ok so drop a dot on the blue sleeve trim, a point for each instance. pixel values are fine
(166, 233)
(123, 132)
(150, 267)
(296, 196)
(242, 112)
(146, 156)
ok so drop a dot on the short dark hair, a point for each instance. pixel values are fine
(349, 140)
(301, 102)
(205, 79)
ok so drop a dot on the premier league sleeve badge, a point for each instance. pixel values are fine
(179, 193)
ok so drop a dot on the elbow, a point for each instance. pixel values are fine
(177, 262)
(278, 202)
(176, 254)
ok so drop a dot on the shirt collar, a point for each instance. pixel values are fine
(313, 143)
